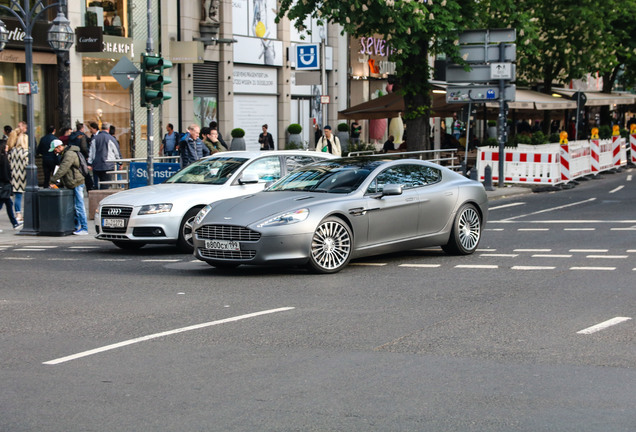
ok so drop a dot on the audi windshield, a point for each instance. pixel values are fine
(214, 171)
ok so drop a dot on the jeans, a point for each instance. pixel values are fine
(80, 209)
(10, 213)
(18, 202)
(100, 176)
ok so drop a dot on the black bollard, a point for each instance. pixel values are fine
(488, 178)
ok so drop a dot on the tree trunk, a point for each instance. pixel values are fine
(418, 129)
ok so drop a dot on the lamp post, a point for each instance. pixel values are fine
(60, 37)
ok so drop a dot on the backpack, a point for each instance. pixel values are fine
(83, 165)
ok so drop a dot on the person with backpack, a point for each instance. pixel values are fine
(70, 176)
(79, 138)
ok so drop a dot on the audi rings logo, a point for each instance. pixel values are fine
(114, 212)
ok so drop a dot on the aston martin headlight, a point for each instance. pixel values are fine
(155, 208)
(204, 211)
(286, 218)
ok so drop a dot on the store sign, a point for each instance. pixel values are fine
(89, 39)
(16, 34)
(370, 57)
(255, 80)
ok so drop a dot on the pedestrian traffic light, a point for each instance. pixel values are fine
(153, 80)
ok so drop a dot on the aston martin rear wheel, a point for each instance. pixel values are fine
(466, 231)
(331, 246)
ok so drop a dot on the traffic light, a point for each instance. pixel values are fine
(153, 80)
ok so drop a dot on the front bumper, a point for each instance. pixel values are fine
(156, 228)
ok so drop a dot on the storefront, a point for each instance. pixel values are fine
(12, 72)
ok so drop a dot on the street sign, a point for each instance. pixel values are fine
(125, 72)
(504, 71)
(24, 88)
(478, 73)
(308, 57)
(487, 53)
(162, 171)
(477, 93)
(324, 99)
(493, 36)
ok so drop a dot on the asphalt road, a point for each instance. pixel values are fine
(93, 338)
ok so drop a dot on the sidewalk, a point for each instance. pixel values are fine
(11, 237)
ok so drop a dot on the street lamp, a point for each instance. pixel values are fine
(60, 37)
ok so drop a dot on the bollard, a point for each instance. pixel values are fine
(473, 173)
(488, 178)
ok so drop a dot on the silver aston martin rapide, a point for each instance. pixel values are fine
(327, 213)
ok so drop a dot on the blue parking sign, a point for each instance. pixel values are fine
(307, 57)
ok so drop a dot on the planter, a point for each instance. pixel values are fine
(295, 141)
(343, 137)
(237, 144)
(492, 131)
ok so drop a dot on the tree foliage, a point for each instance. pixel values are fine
(414, 29)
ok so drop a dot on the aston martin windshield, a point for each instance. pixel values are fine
(214, 171)
(337, 177)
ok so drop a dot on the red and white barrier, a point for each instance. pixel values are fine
(632, 144)
(575, 160)
(520, 166)
(616, 150)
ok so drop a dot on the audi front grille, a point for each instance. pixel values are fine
(115, 212)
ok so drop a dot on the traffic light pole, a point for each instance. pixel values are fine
(150, 108)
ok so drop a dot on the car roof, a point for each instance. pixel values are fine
(255, 154)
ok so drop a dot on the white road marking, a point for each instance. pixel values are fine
(533, 229)
(607, 256)
(63, 259)
(631, 251)
(29, 250)
(421, 265)
(114, 259)
(603, 325)
(594, 268)
(629, 177)
(532, 250)
(623, 229)
(550, 209)
(84, 247)
(498, 255)
(486, 250)
(616, 189)
(162, 334)
(161, 260)
(476, 266)
(368, 264)
(532, 268)
(41, 247)
(506, 206)
(579, 229)
(494, 229)
(589, 250)
(565, 221)
(552, 256)
(18, 258)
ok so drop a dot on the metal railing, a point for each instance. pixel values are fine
(445, 157)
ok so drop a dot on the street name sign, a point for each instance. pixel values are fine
(476, 93)
(480, 73)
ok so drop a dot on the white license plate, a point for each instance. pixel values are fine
(113, 223)
(225, 245)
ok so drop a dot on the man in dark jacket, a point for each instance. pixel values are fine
(49, 159)
(79, 138)
(193, 148)
(71, 177)
(103, 149)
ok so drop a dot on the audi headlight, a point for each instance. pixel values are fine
(204, 211)
(286, 218)
(155, 208)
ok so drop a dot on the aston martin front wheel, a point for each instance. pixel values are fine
(331, 246)
(466, 232)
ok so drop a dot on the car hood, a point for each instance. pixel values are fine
(254, 208)
(163, 193)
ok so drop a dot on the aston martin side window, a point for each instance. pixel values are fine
(408, 176)
(267, 168)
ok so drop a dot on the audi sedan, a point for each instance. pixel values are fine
(327, 213)
(163, 213)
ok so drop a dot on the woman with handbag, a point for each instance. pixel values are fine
(5, 186)
(18, 159)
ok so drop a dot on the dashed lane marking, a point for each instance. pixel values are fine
(41, 247)
(84, 247)
(506, 206)
(617, 189)
(163, 334)
(603, 325)
(579, 229)
(29, 250)
(532, 268)
(552, 256)
(550, 209)
(589, 250)
(594, 268)
(161, 260)
(533, 229)
(19, 258)
(476, 266)
(532, 250)
(623, 229)
(607, 256)
(368, 264)
(421, 265)
(498, 255)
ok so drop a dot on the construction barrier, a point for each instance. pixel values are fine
(553, 163)
(632, 144)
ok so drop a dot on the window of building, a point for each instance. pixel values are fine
(111, 15)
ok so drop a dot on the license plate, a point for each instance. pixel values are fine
(113, 223)
(225, 245)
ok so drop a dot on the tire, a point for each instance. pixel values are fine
(128, 245)
(331, 246)
(184, 243)
(466, 232)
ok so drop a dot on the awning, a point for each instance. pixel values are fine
(600, 99)
(532, 100)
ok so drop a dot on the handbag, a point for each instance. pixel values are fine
(5, 191)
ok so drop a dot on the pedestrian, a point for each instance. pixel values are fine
(317, 135)
(64, 135)
(7, 131)
(194, 149)
(329, 143)
(103, 151)
(355, 132)
(170, 142)
(79, 138)
(71, 177)
(265, 139)
(18, 143)
(389, 145)
(211, 140)
(215, 126)
(5, 186)
(49, 160)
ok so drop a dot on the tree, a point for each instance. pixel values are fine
(415, 29)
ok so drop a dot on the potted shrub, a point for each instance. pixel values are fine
(343, 136)
(238, 142)
(295, 140)
(492, 128)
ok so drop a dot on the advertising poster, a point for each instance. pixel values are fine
(251, 112)
(255, 18)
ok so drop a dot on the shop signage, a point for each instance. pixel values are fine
(115, 47)
(89, 39)
(16, 35)
(162, 171)
(255, 80)
(186, 52)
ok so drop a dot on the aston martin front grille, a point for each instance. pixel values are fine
(233, 255)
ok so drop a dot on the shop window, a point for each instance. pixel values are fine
(111, 15)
